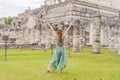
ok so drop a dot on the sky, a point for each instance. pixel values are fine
(14, 7)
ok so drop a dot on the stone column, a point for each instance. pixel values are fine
(48, 2)
(105, 31)
(76, 36)
(43, 36)
(66, 25)
(119, 34)
(119, 17)
(48, 38)
(118, 44)
(82, 34)
(96, 34)
(91, 34)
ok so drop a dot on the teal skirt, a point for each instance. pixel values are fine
(59, 58)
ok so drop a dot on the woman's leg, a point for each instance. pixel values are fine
(62, 64)
(60, 71)
(49, 65)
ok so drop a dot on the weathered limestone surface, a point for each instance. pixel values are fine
(109, 3)
(28, 27)
(96, 34)
(76, 37)
(118, 43)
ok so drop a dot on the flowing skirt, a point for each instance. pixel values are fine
(59, 58)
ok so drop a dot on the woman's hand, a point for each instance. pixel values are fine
(71, 23)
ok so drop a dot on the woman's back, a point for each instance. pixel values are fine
(60, 44)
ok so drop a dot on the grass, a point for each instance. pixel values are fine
(28, 64)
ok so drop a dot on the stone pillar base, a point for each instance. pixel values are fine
(118, 52)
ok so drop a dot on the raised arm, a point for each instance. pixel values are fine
(54, 33)
(71, 23)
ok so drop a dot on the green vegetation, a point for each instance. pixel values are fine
(28, 64)
(8, 20)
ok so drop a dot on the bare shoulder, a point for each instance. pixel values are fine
(55, 36)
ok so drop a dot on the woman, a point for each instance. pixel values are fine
(59, 56)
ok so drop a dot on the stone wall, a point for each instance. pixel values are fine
(29, 28)
(108, 3)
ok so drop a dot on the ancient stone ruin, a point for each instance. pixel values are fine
(94, 24)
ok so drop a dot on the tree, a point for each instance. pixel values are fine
(8, 20)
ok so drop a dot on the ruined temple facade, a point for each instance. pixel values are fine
(96, 22)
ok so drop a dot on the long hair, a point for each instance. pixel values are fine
(60, 34)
